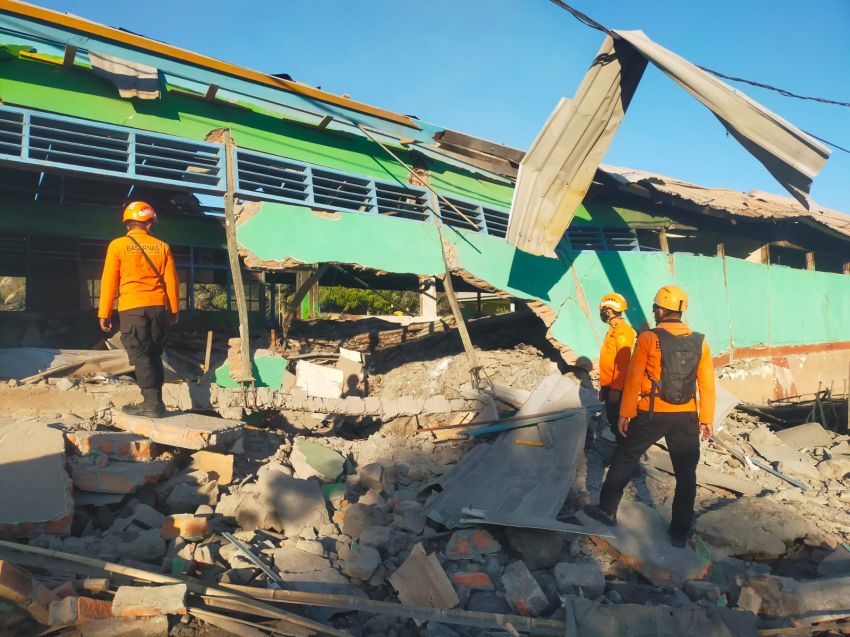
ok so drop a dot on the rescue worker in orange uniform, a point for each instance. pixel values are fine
(140, 268)
(614, 355)
(669, 393)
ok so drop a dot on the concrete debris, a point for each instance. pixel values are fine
(421, 581)
(754, 528)
(102, 475)
(75, 611)
(115, 445)
(580, 578)
(319, 381)
(36, 494)
(331, 494)
(807, 436)
(186, 430)
(807, 602)
(641, 542)
(149, 601)
(522, 591)
(219, 464)
(125, 627)
(310, 459)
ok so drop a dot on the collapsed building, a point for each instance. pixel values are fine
(327, 189)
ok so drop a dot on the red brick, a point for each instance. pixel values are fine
(475, 579)
(17, 587)
(471, 544)
(185, 525)
(116, 477)
(78, 610)
(114, 444)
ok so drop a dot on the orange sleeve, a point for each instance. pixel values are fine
(634, 375)
(606, 361)
(109, 281)
(172, 283)
(624, 344)
(705, 384)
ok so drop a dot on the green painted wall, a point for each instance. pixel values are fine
(89, 222)
(751, 305)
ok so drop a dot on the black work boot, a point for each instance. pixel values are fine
(601, 515)
(151, 405)
(678, 538)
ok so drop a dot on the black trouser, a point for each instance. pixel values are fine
(612, 408)
(143, 332)
(681, 431)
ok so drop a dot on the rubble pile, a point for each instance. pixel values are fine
(195, 523)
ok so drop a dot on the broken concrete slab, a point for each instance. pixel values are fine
(220, 464)
(421, 581)
(773, 449)
(291, 559)
(755, 528)
(362, 561)
(116, 445)
(539, 549)
(586, 618)
(319, 381)
(126, 627)
(104, 476)
(361, 516)
(805, 436)
(836, 563)
(297, 504)
(149, 601)
(33, 454)
(641, 542)
(580, 578)
(310, 459)
(522, 592)
(806, 602)
(186, 430)
(660, 459)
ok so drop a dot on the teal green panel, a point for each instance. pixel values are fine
(749, 293)
(708, 305)
(281, 231)
(808, 307)
(93, 222)
(268, 372)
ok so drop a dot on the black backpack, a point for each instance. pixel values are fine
(680, 356)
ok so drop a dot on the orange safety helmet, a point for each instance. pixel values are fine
(616, 302)
(671, 297)
(139, 211)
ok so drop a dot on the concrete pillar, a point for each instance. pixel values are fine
(428, 298)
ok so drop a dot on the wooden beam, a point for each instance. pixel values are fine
(247, 375)
(326, 121)
(721, 249)
(70, 55)
(810, 260)
(212, 89)
(302, 290)
(663, 243)
(765, 254)
(847, 268)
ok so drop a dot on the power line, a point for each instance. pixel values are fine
(593, 24)
(768, 87)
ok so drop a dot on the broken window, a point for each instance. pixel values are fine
(601, 239)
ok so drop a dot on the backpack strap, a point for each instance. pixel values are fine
(150, 262)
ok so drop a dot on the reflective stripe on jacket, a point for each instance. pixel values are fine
(127, 272)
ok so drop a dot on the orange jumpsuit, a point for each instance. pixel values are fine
(647, 358)
(615, 353)
(128, 273)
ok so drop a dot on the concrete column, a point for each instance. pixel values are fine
(428, 298)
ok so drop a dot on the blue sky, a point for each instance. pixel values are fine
(496, 68)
